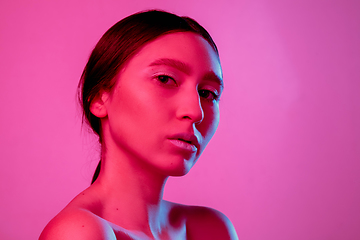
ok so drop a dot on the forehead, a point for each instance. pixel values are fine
(185, 47)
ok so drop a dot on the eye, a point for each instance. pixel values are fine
(167, 80)
(208, 95)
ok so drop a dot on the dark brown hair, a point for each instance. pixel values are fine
(117, 46)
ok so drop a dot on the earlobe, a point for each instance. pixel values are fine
(98, 107)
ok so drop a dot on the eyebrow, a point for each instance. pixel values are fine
(172, 63)
(209, 76)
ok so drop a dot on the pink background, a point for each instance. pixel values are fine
(285, 162)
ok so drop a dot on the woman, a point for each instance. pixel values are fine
(150, 91)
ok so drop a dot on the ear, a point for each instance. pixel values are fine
(98, 107)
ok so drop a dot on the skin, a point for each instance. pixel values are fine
(171, 86)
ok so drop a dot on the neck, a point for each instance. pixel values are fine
(131, 192)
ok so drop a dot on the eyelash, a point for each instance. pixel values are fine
(204, 93)
(214, 96)
(167, 79)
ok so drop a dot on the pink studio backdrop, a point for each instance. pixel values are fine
(285, 162)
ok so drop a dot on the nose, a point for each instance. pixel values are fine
(190, 108)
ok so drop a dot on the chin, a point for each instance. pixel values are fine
(180, 173)
(178, 168)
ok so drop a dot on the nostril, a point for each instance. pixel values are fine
(190, 108)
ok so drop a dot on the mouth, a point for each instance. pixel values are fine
(185, 141)
(183, 144)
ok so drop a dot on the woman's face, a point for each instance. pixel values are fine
(164, 107)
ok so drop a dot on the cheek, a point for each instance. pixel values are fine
(139, 109)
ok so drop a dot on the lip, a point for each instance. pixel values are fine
(186, 141)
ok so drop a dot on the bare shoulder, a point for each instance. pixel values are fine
(208, 223)
(77, 223)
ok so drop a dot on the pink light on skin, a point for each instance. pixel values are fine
(284, 162)
(150, 96)
(156, 122)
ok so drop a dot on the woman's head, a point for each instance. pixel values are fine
(119, 44)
